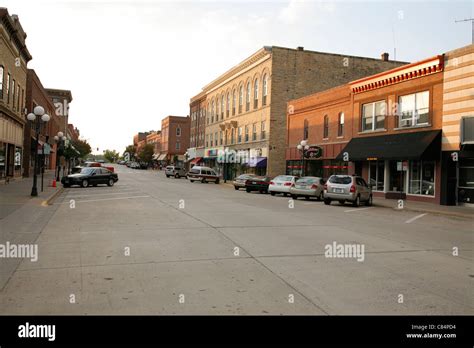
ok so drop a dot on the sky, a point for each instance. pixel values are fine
(131, 63)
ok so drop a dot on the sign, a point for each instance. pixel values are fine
(402, 166)
(313, 152)
(371, 158)
(212, 153)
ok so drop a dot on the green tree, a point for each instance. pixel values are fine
(129, 152)
(111, 155)
(146, 154)
(82, 146)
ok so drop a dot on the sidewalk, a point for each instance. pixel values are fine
(17, 193)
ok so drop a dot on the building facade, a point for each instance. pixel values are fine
(14, 57)
(175, 136)
(197, 112)
(247, 105)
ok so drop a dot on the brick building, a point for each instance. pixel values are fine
(14, 57)
(154, 138)
(175, 135)
(246, 106)
(197, 111)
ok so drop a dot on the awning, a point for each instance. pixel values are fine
(258, 162)
(402, 146)
(195, 160)
(162, 157)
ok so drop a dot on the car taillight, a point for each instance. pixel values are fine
(272, 183)
(353, 188)
(314, 186)
(288, 184)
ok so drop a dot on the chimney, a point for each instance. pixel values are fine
(300, 48)
(384, 57)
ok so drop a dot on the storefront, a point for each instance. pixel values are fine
(399, 166)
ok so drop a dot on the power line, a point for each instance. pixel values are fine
(472, 25)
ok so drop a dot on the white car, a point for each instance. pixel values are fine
(282, 184)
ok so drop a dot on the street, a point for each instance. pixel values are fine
(152, 245)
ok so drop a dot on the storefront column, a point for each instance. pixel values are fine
(386, 176)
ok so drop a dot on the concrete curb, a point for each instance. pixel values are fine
(50, 199)
(430, 211)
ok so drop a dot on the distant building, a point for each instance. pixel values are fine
(174, 138)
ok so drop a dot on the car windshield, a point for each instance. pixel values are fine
(87, 170)
(194, 171)
(283, 178)
(306, 180)
(340, 180)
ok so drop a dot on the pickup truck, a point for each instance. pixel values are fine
(77, 169)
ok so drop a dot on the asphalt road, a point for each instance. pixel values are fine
(152, 245)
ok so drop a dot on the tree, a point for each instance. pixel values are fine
(111, 155)
(146, 154)
(129, 152)
(82, 146)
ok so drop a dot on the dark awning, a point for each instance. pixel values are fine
(402, 146)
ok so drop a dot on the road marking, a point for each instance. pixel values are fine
(106, 199)
(415, 218)
(357, 209)
(102, 194)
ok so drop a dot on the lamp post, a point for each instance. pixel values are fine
(37, 115)
(302, 148)
(59, 139)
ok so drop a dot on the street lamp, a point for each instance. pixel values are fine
(37, 115)
(59, 139)
(302, 148)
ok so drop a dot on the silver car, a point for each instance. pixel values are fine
(347, 188)
(239, 182)
(307, 187)
(177, 172)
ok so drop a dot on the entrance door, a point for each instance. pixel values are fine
(10, 159)
(397, 177)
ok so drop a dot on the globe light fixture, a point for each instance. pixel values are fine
(38, 111)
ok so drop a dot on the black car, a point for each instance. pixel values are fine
(90, 176)
(258, 183)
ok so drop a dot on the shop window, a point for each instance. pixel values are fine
(340, 123)
(422, 178)
(305, 129)
(466, 173)
(414, 109)
(376, 175)
(373, 116)
(326, 127)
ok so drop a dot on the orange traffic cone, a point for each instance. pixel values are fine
(54, 183)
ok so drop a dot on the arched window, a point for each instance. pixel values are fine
(212, 111)
(217, 107)
(234, 100)
(264, 90)
(227, 110)
(255, 94)
(247, 101)
(241, 98)
(222, 107)
(326, 127)
(340, 125)
(178, 131)
(306, 130)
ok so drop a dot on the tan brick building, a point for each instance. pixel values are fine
(246, 106)
(14, 57)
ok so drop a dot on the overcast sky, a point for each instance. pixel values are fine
(131, 63)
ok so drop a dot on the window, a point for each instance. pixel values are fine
(255, 94)
(414, 109)
(178, 145)
(340, 125)
(241, 98)
(239, 138)
(8, 88)
(373, 116)
(376, 175)
(421, 178)
(207, 140)
(215, 138)
(226, 139)
(212, 111)
(228, 105)
(262, 130)
(232, 135)
(233, 102)
(247, 101)
(221, 135)
(326, 127)
(222, 107)
(178, 131)
(265, 90)
(13, 94)
(211, 140)
(254, 132)
(18, 97)
(246, 133)
(305, 129)
(1, 82)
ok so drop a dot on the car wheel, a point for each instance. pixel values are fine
(167, 176)
(261, 191)
(327, 201)
(203, 180)
(272, 193)
(191, 180)
(236, 188)
(216, 182)
(356, 203)
(285, 194)
(342, 202)
(294, 196)
(307, 198)
(66, 185)
(369, 201)
(111, 182)
(94, 185)
(247, 190)
(84, 183)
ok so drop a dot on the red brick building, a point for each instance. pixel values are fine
(175, 132)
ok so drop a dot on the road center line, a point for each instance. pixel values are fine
(415, 218)
(106, 199)
(358, 209)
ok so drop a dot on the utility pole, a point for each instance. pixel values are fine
(472, 26)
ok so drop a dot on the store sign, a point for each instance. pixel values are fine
(314, 152)
(371, 158)
(212, 153)
(402, 166)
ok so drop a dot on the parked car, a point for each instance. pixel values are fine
(203, 174)
(177, 172)
(282, 184)
(90, 176)
(347, 188)
(257, 183)
(307, 187)
(240, 181)
(89, 164)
